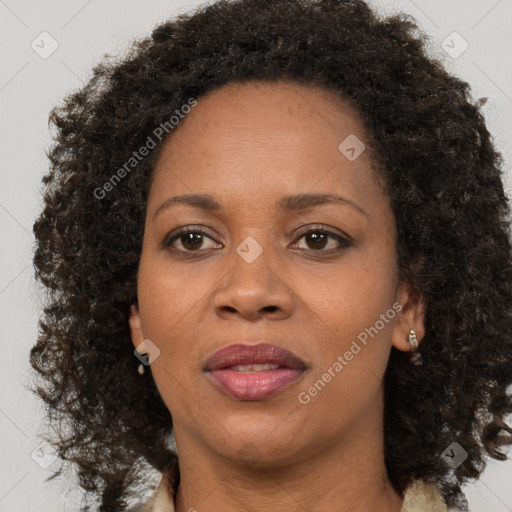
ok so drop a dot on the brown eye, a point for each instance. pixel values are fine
(190, 239)
(318, 239)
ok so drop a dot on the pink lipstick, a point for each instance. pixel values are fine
(253, 372)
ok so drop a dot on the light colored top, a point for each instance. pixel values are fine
(419, 497)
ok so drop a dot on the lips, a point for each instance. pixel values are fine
(253, 372)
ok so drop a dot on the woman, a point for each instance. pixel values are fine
(276, 232)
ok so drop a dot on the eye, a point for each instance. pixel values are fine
(191, 239)
(318, 240)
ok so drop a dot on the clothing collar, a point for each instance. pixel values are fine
(419, 497)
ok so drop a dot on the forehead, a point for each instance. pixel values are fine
(256, 108)
(258, 136)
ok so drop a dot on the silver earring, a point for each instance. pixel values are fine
(413, 341)
(140, 369)
(416, 359)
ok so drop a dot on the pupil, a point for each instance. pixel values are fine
(194, 241)
(192, 238)
(318, 237)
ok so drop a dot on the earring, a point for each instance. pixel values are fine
(140, 369)
(413, 341)
(416, 359)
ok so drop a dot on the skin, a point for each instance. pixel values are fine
(248, 145)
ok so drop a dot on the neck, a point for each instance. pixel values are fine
(350, 476)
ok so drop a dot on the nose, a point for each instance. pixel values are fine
(254, 289)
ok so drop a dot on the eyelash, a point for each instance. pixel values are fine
(344, 242)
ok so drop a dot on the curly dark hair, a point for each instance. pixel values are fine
(443, 177)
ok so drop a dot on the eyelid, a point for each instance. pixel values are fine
(345, 241)
(325, 228)
(183, 230)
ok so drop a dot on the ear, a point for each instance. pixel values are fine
(135, 326)
(411, 316)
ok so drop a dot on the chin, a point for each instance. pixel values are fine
(257, 449)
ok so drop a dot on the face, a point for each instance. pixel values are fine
(270, 263)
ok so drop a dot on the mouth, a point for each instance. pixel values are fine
(253, 372)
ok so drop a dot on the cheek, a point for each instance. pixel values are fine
(356, 304)
(352, 354)
(166, 305)
(353, 297)
(165, 296)
(174, 308)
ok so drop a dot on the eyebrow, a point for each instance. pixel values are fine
(289, 203)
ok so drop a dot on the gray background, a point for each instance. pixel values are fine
(31, 85)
